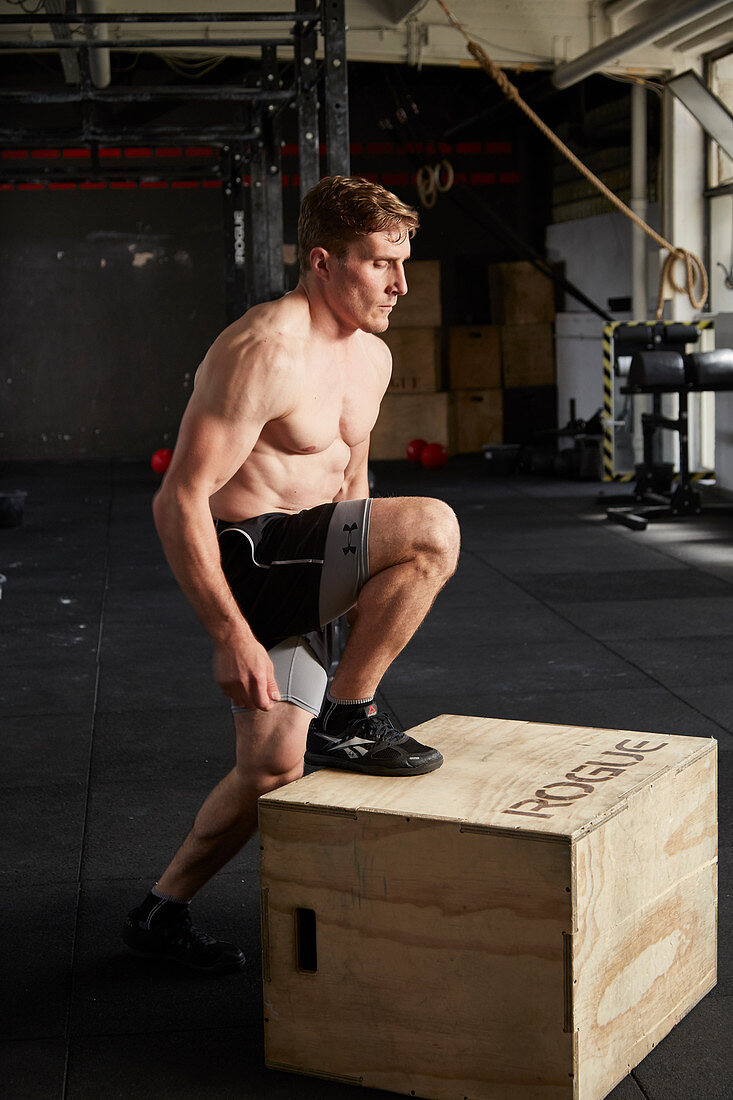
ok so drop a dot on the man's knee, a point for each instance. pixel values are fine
(422, 528)
(446, 532)
(435, 533)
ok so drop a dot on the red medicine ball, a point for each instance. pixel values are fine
(161, 460)
(433, 455)
(415, 449)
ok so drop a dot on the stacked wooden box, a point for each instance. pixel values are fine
(414, 406)
(523, 305)
(501, 377)
(495, 370)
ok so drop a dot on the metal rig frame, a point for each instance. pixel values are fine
(253, 209)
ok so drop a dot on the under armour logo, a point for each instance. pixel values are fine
(349, 528)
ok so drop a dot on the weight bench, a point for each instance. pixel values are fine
(657, 373)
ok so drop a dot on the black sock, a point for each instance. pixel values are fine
(160, 910)
(337, 713)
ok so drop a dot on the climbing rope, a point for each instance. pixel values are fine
(694, 268)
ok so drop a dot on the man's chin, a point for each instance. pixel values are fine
(375, 325)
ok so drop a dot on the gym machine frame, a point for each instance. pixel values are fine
(661, 365)
(252, 208)
(612, 349)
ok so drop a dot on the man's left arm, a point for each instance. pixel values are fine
(356, 475)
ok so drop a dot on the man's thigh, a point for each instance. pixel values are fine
(271, 742)
(401, 527)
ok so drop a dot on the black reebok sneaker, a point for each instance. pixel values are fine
(371, 745)
(181, 943)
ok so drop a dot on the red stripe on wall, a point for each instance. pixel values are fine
(468, 147)
(30, 187)
(153, 185)
(483, 178)
(77, 154)
(45, 154)
(14, 154)
(509, 177)
(138, 153)
(122, 185)
(379, 148)
(211, 183)
(110, 154)
(498, 147)
(199, 151)
(395, 179)
(62, 187)
(93, 185)
(169, 151)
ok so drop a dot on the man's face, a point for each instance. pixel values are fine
(369, 279)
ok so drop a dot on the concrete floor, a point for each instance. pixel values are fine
(112, 731)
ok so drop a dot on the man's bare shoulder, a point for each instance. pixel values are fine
(268, 340)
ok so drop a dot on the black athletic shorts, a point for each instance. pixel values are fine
(292, 576)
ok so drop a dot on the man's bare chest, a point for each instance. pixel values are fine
(333, 406)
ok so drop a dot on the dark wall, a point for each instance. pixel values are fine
(111, 297)
(109, 301)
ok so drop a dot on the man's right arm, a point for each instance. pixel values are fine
(238, 389)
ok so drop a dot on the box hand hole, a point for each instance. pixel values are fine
(305, 939)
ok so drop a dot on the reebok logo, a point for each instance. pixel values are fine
(349, 529)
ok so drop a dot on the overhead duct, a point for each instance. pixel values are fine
(644, 32)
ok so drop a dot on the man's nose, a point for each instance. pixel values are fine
(400, 282)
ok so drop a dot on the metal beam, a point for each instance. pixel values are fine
(15, 135)
(235, 238)
(75, 18)
(272, 182)
(335, 94)
(230, 92)
(648, 30)
(306, 80)
(209, 44)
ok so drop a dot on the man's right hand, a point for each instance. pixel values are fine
(245, 673)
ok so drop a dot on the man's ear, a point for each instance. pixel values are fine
(320, 261)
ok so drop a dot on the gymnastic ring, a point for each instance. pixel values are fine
(446, 167)
(425, 181)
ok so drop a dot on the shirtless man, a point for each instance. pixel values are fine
(266, 520)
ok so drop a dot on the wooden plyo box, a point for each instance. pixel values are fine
(416, 364)
(422, 303)
(406, 416)
(525, 923)
(478, 416)
(474, 357)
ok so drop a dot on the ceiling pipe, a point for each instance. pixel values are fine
(100, 68)
(702, 41)
(644, 32)
(683, 34)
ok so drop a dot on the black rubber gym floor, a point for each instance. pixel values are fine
(112, 733)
